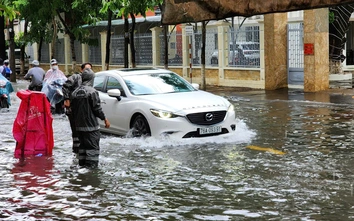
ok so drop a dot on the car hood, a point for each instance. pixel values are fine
(188, 102)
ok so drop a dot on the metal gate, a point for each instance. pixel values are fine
(295, 54)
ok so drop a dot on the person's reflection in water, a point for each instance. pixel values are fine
(90, 178)
(34, 173)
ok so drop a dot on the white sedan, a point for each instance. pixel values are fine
(157, 102)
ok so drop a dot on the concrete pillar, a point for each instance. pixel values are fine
(185, 52)
(103, 35)
(35, 52)
(261, 51)
(316, 54)
(85, 52)
(223, 47)
(67, 54)
(156, 31)
(50, 51)
(275, 51)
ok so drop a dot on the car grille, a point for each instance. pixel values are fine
(207, 118)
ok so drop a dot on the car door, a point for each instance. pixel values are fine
(116, 111)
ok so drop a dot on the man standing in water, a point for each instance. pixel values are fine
(73, 82)
(86, 107)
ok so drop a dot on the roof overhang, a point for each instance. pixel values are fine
(185, 11)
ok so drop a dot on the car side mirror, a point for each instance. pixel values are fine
(114, 93)
(196, 86)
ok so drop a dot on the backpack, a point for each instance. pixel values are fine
(7, 70)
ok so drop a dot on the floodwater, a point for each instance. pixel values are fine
(289, 159)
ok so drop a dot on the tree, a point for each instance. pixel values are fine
(7, 12)
(132, 8)
(109, 7)
(74, 14)
(54, 16)
(38, 21)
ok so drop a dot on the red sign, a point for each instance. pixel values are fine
(309, 49)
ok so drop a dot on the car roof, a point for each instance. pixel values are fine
(134, 71)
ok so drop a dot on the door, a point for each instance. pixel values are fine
(295, 54)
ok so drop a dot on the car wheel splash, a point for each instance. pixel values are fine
(140, 127)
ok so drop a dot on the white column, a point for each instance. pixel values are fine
(35, 52)
(67, 54)
(223, 47)
(103, 47)
(185, 52)
(156, 31)
(261, 50)
(85, 52)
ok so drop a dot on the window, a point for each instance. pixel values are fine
(113, 83)
(99, 83)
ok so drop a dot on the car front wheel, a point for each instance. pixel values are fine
(140, 127)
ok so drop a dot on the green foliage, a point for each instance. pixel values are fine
(7, 11)
(331, 17)
(74, 16)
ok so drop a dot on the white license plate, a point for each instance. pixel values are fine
(210, 130)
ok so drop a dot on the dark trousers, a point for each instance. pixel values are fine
(58, 109)
(74, 135)
(89, 149)
(35, 88)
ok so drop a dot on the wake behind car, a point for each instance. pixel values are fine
(158, 102)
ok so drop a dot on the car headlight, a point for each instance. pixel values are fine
(231, 108)
(163, 114)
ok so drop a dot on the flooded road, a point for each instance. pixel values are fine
(289, 159)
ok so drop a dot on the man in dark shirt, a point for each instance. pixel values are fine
(69, 86)
(86, 107)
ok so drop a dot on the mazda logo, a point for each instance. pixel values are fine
(209, 117)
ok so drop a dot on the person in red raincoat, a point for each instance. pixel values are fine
(32, 128)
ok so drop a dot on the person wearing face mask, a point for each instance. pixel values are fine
(52, 86)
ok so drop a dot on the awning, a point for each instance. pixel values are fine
(185, 11)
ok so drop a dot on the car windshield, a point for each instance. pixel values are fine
(157, 83)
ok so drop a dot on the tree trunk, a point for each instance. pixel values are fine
(126, 42)
(2, 39)
(73, 53)
(203, 84)
(23, 48)
(40, 49)
(54, 38)
(108, 40)
(12, 51)
(132, 45)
